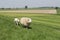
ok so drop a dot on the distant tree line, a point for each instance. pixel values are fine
(26, 7)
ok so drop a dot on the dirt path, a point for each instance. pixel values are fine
(32, 11)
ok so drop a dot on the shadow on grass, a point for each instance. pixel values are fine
(24, 26)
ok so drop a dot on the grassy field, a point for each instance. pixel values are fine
(44, 27)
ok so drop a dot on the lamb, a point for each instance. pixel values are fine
(16, 20)
(25, 22)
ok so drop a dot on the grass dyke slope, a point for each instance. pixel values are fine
(44, 27)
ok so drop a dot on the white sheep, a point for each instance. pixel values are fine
(16, 20)
(25, 21)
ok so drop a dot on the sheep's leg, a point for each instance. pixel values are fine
(29, 27)
(16, 23)
(25, 26)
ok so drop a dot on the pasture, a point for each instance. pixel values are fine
(44, 27)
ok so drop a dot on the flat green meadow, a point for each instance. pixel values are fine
(44, 27)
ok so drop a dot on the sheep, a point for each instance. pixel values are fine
(25, 22)
(16, 20)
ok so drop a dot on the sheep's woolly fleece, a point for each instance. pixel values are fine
(25, 21)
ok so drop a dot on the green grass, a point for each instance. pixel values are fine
(44, 27)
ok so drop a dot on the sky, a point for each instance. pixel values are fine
(29, 3)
